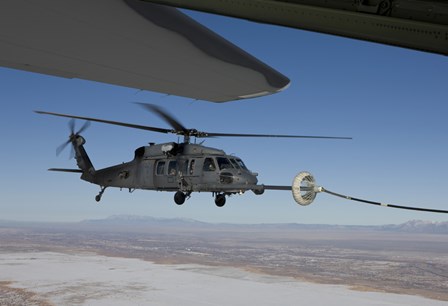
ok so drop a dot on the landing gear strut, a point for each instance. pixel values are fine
(98, 197)
(220, 199)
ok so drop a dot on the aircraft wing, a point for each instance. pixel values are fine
(414, 24)
(130, 43)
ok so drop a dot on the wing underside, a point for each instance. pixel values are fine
(415, 24)
(130, 43)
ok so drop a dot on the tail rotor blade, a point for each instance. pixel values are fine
(62, 147)
(71, 126)
(84, 127)
(72, 153)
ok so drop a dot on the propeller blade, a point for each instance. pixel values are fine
(62, 147)
(135, 126)
(164, 115)
(84, 127)
(71, 126)
(72, 153)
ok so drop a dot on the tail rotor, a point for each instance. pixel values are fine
(72, 137)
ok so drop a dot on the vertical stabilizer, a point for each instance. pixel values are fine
(82, 159)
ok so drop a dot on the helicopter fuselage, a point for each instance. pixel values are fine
(176, 167)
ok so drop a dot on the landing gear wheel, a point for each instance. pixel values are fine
(100, 194)
(179, 198)
(220, 200)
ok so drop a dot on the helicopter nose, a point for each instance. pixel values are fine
(248, 179)
(238, 177)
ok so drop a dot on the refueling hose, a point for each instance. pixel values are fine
(441, 211)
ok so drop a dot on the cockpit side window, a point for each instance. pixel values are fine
(209, 164)
(172, 168)
(223, 163)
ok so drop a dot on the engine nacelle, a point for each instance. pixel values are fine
(304, 188)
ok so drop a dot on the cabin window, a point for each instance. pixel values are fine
(223, 163)
(184, 167)
(160, 167)
(172, 168)
(191, 167)
(209, 164)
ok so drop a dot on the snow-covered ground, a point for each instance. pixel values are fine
(88, 279)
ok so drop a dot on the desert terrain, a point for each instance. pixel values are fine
(39, 260)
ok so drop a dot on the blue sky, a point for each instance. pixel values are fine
(392, 101)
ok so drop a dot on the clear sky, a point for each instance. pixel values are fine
(392, 101)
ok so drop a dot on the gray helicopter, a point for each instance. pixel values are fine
(182, 168)
(185, 167)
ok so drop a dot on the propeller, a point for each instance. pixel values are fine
(72, 137)
(179, 129)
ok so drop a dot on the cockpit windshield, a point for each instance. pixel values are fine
(224, 163)
(234, 163)
(241, 164)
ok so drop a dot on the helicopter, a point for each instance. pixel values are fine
(179, 167)
(185, 167)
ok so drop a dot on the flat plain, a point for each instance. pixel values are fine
(366, 260)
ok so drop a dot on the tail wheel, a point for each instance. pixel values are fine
(220, 200)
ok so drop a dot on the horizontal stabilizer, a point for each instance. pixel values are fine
(65, 170)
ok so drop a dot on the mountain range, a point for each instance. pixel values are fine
(133, 222)
(412, 226)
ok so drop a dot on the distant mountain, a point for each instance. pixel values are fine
(132, 220)
(413, 226)
(138, 223)
(129, 220)
(418, 226)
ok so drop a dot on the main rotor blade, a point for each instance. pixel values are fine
(164, 115)
(206, 134)
(135, 126)
(178, 127)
